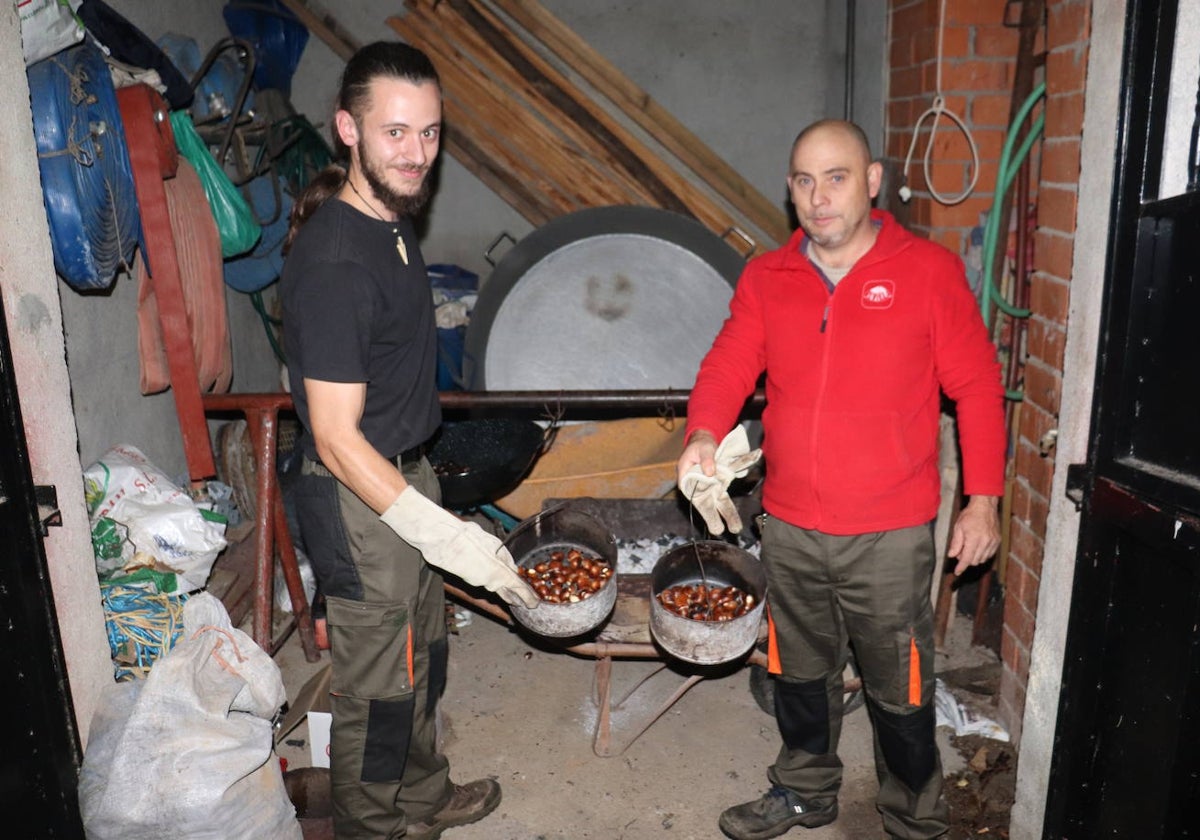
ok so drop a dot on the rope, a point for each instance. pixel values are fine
(937, 110)
(142, 624)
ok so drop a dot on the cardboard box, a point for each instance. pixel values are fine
(312, 704)
(318, 737)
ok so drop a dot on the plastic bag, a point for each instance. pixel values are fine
(235, 220)
(161, 525)
(48, 27)
(187, 753)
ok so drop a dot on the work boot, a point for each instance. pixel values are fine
(467, 804)
(777, 812)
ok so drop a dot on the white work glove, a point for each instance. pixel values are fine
(709, 494)
(460, 547)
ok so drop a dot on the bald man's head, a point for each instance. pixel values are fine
(848, 130)
(831, 181)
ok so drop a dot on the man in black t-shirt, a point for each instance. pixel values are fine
(361, 347)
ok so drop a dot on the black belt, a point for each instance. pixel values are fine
(411, 456)
(408, 456)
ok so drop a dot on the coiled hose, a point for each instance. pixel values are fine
(87, 181)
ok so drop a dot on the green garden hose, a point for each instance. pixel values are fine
(1009, 165)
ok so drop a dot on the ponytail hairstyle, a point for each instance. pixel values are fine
(323, 186)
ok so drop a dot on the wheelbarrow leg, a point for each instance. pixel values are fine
(602, 744)
(602, 741)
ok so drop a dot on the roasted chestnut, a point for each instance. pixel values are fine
(567, 577)
(706, 603)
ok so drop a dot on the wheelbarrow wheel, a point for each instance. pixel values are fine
(762, 688)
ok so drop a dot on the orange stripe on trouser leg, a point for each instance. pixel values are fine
(410, 656)
(914, 673)
(774, 666)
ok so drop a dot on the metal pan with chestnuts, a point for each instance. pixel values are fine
(567, 577)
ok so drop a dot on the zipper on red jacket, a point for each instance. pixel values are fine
(812, 447)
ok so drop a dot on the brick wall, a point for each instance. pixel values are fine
(976, 81)
(978, 58)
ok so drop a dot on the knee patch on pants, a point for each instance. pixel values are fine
(907, 743)
(802, 712)
(387, 726)
(439, 664)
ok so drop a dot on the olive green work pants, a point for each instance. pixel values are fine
(385, 610)
(870, 592)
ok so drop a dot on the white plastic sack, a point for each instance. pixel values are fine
(48, 27)
(162, 520)
(950, 712)
(187, 753)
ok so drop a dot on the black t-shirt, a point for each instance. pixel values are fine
(353, 311)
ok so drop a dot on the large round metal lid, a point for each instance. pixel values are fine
(609, 298)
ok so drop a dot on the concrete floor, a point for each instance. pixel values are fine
(526, 715)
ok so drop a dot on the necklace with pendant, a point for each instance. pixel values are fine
(401, 248)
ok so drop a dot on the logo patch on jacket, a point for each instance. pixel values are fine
(878, 294)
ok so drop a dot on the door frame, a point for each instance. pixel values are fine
(1036, 729)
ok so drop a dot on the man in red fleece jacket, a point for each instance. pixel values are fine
(858, 325)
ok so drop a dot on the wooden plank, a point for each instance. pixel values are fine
(640, 107)
(476, 103)
(508, 188)
(633, 169)
(522, 68)
(326, 27)
(522, 58)
(549, 95)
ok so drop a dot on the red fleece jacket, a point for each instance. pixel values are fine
(852, 382)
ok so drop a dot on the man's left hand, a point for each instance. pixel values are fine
(976, 534)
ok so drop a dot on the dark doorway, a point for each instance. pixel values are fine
(1125, 760)
(39, 767)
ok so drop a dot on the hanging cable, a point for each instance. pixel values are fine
(937, 110)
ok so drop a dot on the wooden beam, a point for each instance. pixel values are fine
(516, 65)
(640, 107)
(555, 91)
(549, 160)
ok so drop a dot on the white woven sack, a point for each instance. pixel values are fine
(188, 752)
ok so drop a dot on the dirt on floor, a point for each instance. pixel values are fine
(981, 795)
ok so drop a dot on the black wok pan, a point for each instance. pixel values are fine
(478, 461)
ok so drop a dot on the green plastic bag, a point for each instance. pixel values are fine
(239, 229)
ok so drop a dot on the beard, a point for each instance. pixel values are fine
(402, 204)
(827, 239)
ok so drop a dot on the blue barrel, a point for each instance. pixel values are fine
(87, 182)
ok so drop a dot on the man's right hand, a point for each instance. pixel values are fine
(458, 546)
(700, 451)
(705, 471)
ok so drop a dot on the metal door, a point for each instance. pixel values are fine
(39, 763)
(1126, 759)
